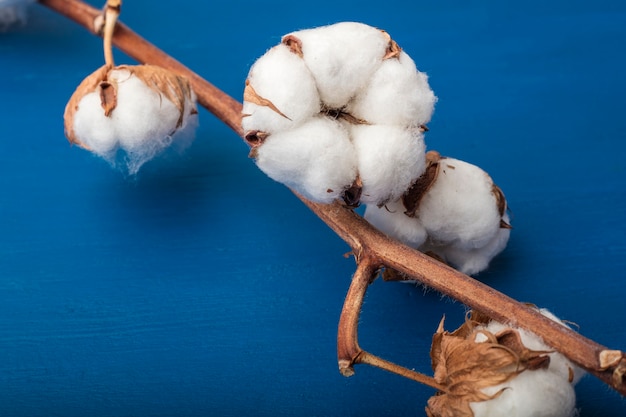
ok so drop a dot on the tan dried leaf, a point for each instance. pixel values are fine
(393, 49)
(250, 95)
(413, 196)
(294, 44)
(88, 85)
(466, 367)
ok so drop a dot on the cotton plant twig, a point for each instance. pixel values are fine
(372, 249)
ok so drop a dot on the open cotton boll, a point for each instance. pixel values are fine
(461, 210)
(488, 369)
(465, 216)
(390, 159)
(397, 93)
(137, 110)
(547, 392)
(341, 57)
(316, 159)
(13, 12)
(282, 78)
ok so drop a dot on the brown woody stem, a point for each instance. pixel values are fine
(369, 243)
(349, 353)
(111, 13)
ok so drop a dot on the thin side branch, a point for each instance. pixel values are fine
(369, 242)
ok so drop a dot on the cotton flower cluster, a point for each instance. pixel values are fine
(129, 114)
(455, 213)
(490, 369)
(338, 112)
(13, 12)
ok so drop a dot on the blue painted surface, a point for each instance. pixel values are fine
(203, 288)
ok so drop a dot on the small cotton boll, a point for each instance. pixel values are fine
(461, 211)
(341, 58)
(138, 110)
(391, 220)
(397, 93)
(533, 393)
(389, 158)
(462, 216)
(13, 12)
(316, 159)
(281, 77)
(538, 393)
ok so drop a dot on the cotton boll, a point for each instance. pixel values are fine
(139, 111)
(547, 392)
(538, 393)
(282, 78)
(341, 58)
(316, 159)
(459, 209)
(389, 158)
(463, 216)
(13, 12)
(397, 93)
(391, 220)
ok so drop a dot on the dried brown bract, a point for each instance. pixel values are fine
(465, 367)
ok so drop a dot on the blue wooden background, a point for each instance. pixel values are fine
(201, 287)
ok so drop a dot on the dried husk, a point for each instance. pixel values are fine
(251, 96)
(465, 367)
(175, 88)
(413, 196)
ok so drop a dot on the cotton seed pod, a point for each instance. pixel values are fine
(490, 369)
(358, 78)
(138, 110)
(546, 392)
(454, 212)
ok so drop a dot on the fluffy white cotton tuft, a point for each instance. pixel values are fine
(397, 93)
(533, 393)
(316, 159)
(281, 77)
(13, 12)
(351, 74)
(143, 123)
(465, 223)
(341, 58)
(376, 146)
(391, 220)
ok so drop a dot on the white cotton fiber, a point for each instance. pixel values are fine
(539, 393)
(459, 214)
(316, 159)
(143, 123)
(350, 74)
(390, 159)
(281, 77)
(391, 220)
(13, 12)
(533, 393)
(397, 93)
(341, 58)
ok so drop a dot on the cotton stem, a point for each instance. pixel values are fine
(365, 239)
(111, 13)
(349, 353)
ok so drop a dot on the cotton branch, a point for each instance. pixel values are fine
(372, 249)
